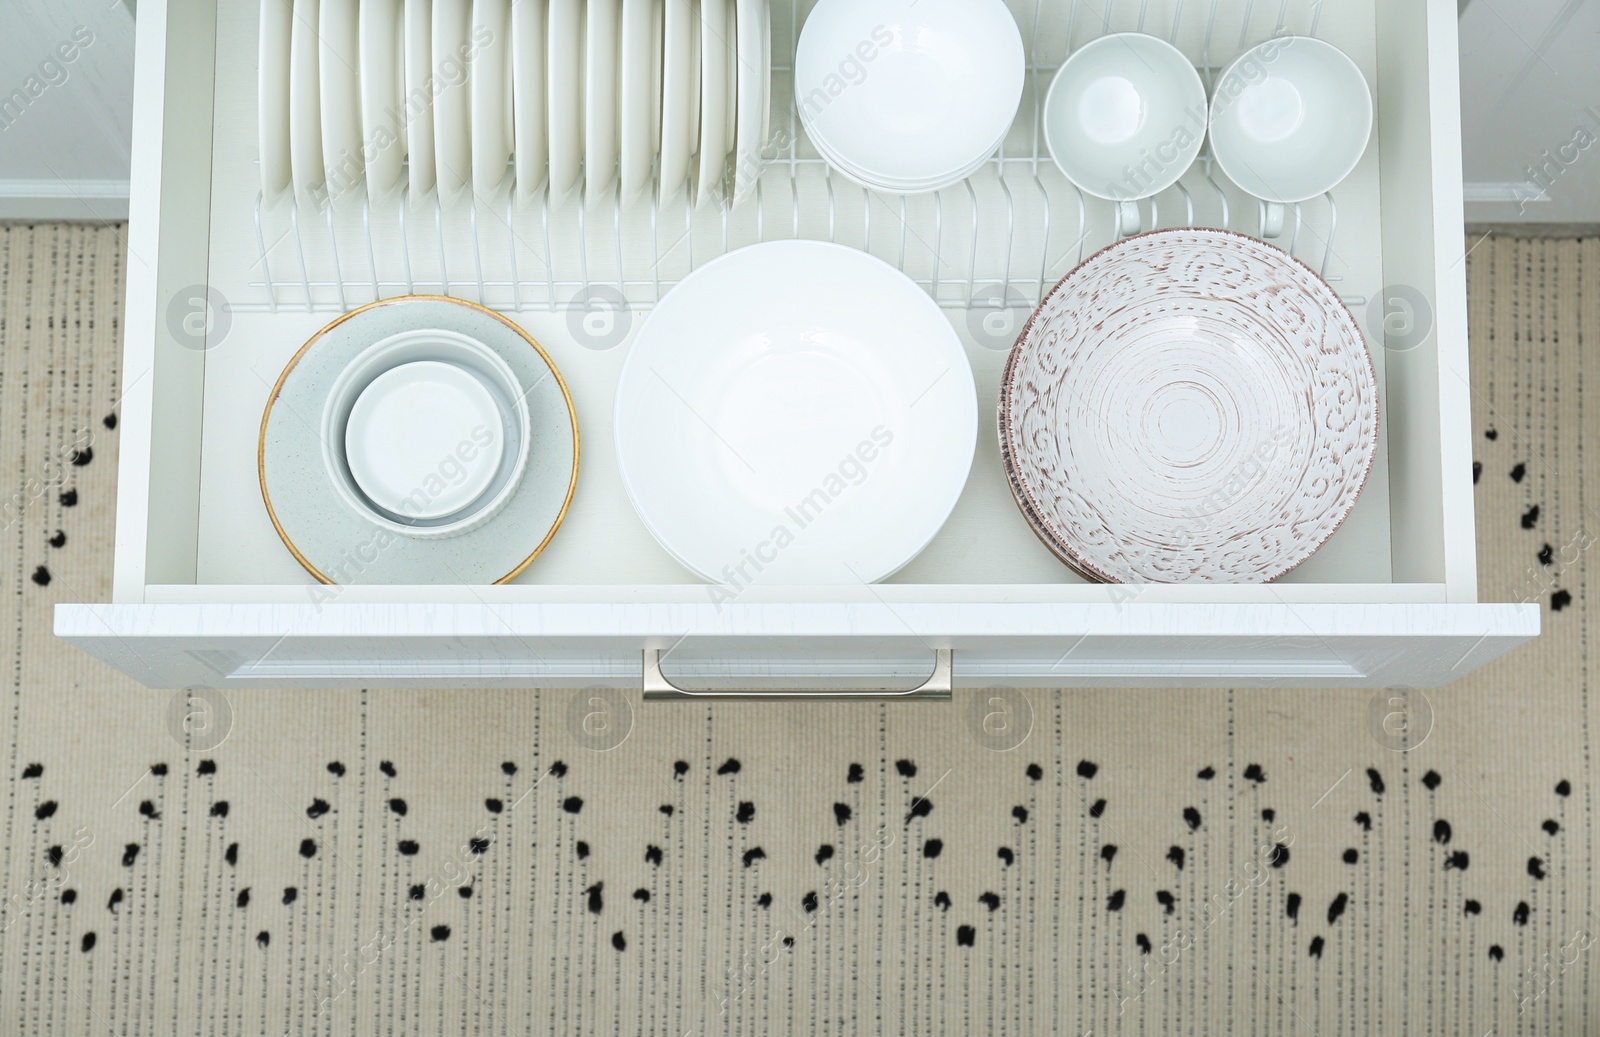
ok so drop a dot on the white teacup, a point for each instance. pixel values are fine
(1124, 119)
(1290, 119)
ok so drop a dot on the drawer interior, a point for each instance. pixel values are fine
(277, 270)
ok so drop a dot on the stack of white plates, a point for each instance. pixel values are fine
(618, 95)
(909, 96)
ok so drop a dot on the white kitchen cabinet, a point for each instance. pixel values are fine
(206, 595)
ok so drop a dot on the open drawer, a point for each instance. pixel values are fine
(227, 286)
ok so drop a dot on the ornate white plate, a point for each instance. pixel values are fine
(1188, 406)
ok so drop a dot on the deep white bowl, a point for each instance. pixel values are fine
(1125, 116)
(1290, 119)
(909, 91)
(795, 412)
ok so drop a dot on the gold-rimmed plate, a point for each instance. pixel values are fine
(339, 544)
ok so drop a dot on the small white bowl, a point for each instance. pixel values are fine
(1125, 119)
(426, 433)
(1290, 119)
(909, 92)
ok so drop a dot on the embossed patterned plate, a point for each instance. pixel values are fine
(1188, 406)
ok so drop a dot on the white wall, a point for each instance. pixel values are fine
(66, 105)
(1530, 80)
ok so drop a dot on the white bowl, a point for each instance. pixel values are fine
(1125, 117)
(1290, 119)
(909, 91)
(795, 412)
(872, 181)
(426, 433)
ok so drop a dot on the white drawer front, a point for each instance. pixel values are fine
(809, 647)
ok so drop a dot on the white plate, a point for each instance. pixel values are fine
(754, 30)
(419, 97)
(382, 95)
(337, 543)
(1188, 406)
(717, 56)
(340, 57)
(939, 83)
(531, 128)
(272, 86)
(452, 95)
(305, 99)
(565, 95)
(694, 76)
(795, 412)
(677, 82)
(491, 93)
(602, 39)
(641, 83)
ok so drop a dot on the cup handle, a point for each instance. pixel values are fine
(1130, 219)
(1272, 217)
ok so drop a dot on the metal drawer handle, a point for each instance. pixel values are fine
(937, 688)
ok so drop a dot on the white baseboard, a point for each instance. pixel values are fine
(81, 201)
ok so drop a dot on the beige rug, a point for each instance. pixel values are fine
(460, 862)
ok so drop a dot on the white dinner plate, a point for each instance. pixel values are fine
(677, 82)
(340, 57)
(530, 137)
(717, 56)
(452, 95)
(382, 95)
(272, 86)
(641, 84)
(565, 96)
(305, 99)
(1188, 406)
(339, 543)
(795, 412)
(491, 93)
(754, 80)
(602, 50)
(419, 97)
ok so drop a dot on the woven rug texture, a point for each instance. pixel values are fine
(1144, 862)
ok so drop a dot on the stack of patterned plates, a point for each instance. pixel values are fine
(1188, 406)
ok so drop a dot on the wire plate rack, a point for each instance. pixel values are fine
(998, 239)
